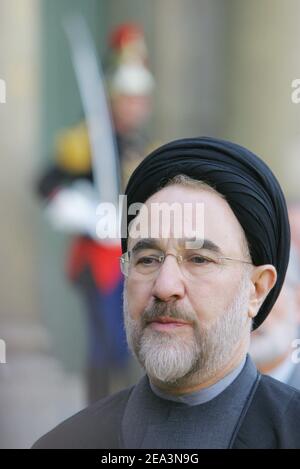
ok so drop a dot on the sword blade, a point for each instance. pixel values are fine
(105, 161)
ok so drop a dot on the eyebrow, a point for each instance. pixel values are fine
(153, 243)
(146, 243)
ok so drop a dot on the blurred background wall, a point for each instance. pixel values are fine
(222, 67)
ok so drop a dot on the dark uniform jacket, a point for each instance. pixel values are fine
(270, 418)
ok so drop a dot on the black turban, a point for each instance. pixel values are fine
(250, 188)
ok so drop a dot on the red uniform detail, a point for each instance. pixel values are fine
(103, 260)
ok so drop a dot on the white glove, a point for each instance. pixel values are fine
(76, 210)
(73, 209)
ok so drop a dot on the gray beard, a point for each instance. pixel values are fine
(185, 360)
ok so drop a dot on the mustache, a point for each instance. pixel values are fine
(160, 309)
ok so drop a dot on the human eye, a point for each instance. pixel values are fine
(147, 260)
(143, 259)
(199, 260)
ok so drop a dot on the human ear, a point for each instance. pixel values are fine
(263, 279)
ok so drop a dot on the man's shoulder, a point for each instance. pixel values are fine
(274, 390)
(92, 427)
(275, 411)
(279, 401)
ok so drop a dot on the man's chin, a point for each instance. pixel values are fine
(165, 358)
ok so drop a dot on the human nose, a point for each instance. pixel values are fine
(169, 284)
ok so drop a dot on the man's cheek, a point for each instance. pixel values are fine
(138, 298)
(136, 306)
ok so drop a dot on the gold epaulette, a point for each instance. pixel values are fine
(72, 149)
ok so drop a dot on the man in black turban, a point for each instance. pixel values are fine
(250, 188)
(205, 253)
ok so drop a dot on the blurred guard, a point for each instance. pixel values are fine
(93, 266)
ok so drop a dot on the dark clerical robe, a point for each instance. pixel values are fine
(254, 411)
